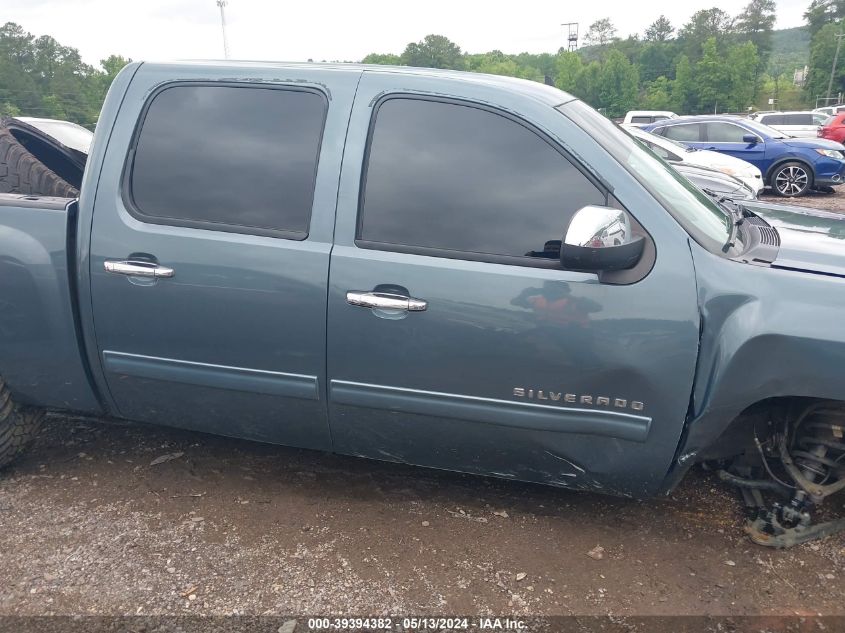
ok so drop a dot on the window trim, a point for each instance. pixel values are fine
(512, 260)
(129, 163)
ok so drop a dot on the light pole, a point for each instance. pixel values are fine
(835, 59)
(222, 5)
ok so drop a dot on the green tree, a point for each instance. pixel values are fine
(569, 67)
(7, 109)
(41, 77)
(386, 59)
(822, 52)
(658, 95)
(434, 51)
(756, 23)
(618, 81)
(702, 26)
(712, 78)
(587, 83)
(601, 32)
(497, 63)
(742, 64)
(660, 30)
(683, 87)
(822, 12)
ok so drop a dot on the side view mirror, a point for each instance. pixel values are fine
(600, 239)
(751, 139)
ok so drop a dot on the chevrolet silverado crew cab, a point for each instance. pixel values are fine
(461, 271)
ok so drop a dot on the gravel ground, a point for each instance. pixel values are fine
(124, 519)
(828, 201)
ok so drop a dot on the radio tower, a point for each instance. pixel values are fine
(572, 39)
(222, 5)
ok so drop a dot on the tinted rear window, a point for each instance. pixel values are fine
(690, 132)
(799, 119)
(231, 158)
(772, 119)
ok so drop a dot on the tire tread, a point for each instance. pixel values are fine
(18, 426)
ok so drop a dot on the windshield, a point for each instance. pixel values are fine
(764, 129)
(705, 221)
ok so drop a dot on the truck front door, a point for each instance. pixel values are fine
(210, 251)
(456, 340)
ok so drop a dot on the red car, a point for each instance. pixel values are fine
(834, 128)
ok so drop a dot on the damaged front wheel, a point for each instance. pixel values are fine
(803, 463)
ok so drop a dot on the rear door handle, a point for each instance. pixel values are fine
(385, 301)
(138, 269)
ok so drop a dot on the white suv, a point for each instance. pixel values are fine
(647, 117)
(801, 124)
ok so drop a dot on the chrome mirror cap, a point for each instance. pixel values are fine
(600, 239)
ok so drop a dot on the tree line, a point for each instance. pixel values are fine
(40, 77)
(714, 62)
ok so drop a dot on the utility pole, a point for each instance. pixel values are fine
(222, 5)
(835, 59)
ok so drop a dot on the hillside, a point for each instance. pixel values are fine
(790, 49)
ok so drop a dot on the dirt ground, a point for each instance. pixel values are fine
(827, 201)
(128, 519)
(91, 524)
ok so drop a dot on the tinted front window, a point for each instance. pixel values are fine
(224, 157)
(719, 132)
(642, 119)
(455, 177)
(685, 133)
(772, 119)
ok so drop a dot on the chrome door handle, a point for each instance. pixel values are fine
(385, 301)
(139, 269)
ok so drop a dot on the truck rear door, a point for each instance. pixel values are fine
(455, 338)
(210, 249)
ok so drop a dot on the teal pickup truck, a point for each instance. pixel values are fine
(460, 271)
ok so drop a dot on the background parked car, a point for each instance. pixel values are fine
(834, 128)
(645, 117)
(830, 110)
(797, 124)
(790, 166)
(678, 154)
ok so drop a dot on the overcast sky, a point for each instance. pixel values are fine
(333, 29)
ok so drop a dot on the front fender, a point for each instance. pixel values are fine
(765, 333)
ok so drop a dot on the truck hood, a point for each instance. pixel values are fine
(811, 240)
(812, 143)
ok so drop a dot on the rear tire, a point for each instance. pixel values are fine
(791, 179)
(21, 172)
(18, 426)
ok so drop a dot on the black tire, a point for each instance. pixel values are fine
(791, 179)
(18, 426)
(21, 172)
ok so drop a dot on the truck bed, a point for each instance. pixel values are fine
(40, 356)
